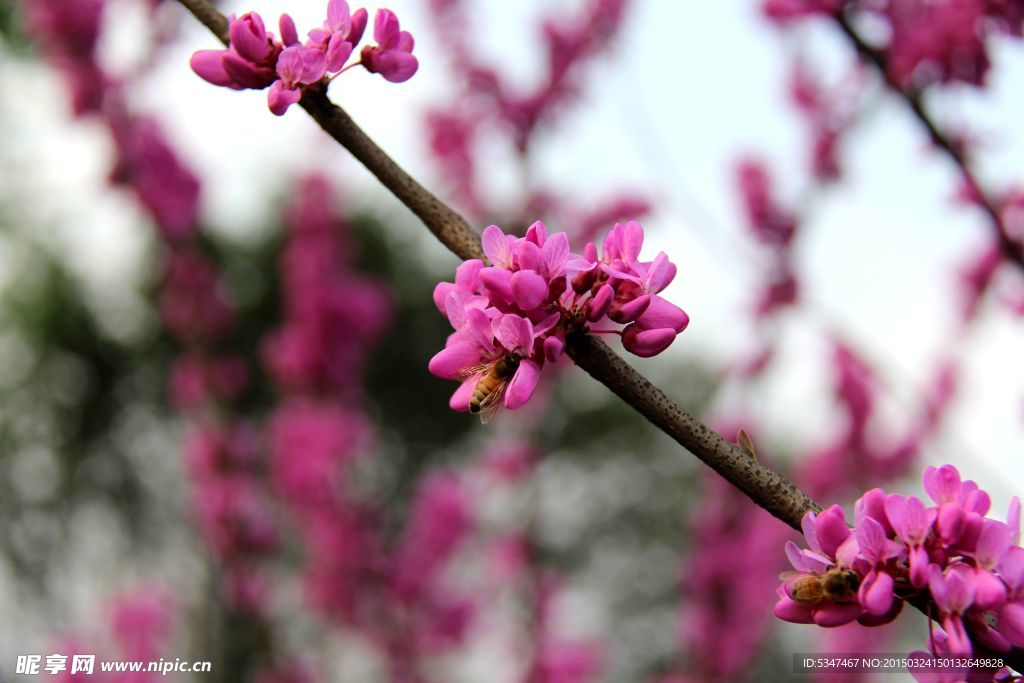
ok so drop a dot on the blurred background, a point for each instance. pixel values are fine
(220, 441)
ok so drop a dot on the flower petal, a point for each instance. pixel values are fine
(498, 283)
(792, 611)
(832, 614)
(942, 484)
(528, 256)
(338, 52)
(496, 246)
(459, 401)
(553, 347)
(646, 343)
(908, 517)
(467, 275)
(289, 34)
(876, 593)
(660, 274)
(994, 541)
(395, 66)
(662, 313)
(632, 242)
(628, 311)
(459, 354)
(597, 307)
(555, 254)
(830, 527)
(338, 16)
(529, 289)
(441, 292)
(1010, 623)
(989, 590)
(537, 233)
(245, 74)
(523, 384)
(209, 65)
(280, 98)
(516, 334)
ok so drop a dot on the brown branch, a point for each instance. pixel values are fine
(210, 16)
(1012, 249)
(448, 226)
(763, 486)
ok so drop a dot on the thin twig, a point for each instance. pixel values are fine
(765, 487)
(1012, 249)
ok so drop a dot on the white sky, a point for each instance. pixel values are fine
(690, 86)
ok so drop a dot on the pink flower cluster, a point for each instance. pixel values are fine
(970, 568)
(67, 32)
(317, 348)
(725, 605)
(257, 60)
(945, 41)
(233, 507)
(930, 41)
(520, 309)
(320, 442)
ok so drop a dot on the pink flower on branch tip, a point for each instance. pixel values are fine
(340, 34)
(513, 316)
(392, 56)
(256, 59)
(250, 60)
(969, 569)
(297, 66)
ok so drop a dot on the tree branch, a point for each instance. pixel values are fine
(210, 16)
(763, 486)
(1012, 249)
(448, 226)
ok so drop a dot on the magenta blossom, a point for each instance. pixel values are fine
(255, 59)
(392, 56)
(520, 308)
(297, 66)
(480, 342)
(969, 568)
(340, 33)
(250, 60)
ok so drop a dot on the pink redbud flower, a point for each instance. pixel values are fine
(535, 292)
(296, 66)
(250, 60)
(969, 568)
(340, 33)
(484, 338)
(392, 56)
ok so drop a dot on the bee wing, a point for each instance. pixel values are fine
(467, 372)
(489, 406)
(786, 576)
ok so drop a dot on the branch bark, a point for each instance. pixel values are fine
(766, 488)
(1013, 250)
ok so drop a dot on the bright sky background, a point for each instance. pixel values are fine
(690, 86)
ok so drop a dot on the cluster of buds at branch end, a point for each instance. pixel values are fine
(512, 317)
(967, 568)
(256, 59)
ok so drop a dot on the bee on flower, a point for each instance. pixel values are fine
(512, 316)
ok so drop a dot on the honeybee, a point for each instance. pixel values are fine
(494, 379)
(836, 584)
